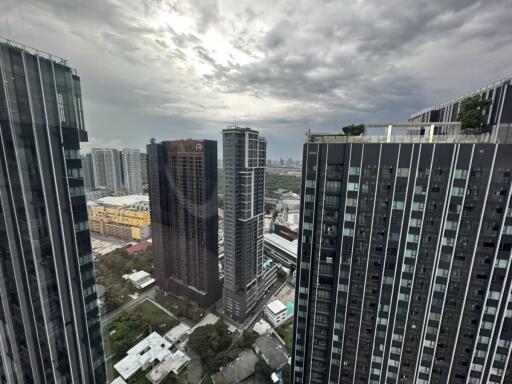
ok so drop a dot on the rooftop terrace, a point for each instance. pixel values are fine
(412, 133)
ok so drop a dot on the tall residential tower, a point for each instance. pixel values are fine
(184, 219)
(107, 168)
(49, 319)
(403, 271)
(132, 171)
(244, 208)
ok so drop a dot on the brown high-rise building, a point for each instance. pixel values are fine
(182, 177)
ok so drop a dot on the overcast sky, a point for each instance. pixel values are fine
(187, 68)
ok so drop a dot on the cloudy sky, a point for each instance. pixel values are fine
(187, 68)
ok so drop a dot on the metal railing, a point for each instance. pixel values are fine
(34, 51)
(418, 133)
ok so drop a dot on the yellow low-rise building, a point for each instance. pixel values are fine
(125, 217)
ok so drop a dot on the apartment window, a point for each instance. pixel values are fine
(402, 172)
(461, 173)
(333, 186)
(310, 183)
(398, 204)
(350, 217)
(416, 223)
(417, 206)
(410, 253)
(457, 191)
(507, 230)
(355, 171)
(353, 186)
(448, 241)
(413, 238)
(494, 295)
(403, 296)
(332, 200)
(81, 226)
(501, 263)
(351, 202)
(419, 190)
(348, 232)
(452, 225)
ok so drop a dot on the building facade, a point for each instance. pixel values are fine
(144, 167)
(107, 168)
(132, 171)
(184, 220)
(124, 217)
(88, 171)
(49, 322)
(403, 271)
(499, 113)
(280, 249)
(244, 208)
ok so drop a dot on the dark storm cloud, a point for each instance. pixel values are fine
(186, 68)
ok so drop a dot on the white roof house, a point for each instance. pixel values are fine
(140, 279)
(277, 313)
(175, 334)
(174, 363)
(261, 327)
(276, 307)
(119, 380)
(153, 347)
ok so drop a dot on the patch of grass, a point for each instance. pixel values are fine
(179, 307)
(155, 317)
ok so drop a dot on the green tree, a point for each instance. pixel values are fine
(210, 342)
(353, 130)
(281, 274)
(247, 339)
(470, 113)
(127, 327)
(263, 371)
(286, 374)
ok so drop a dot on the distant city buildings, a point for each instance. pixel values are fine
(246, 274)
(88, 171)
(403, 271)
(49, 322)
(184, 206)
(144, 168)
(132, 171)
(109, 171)
(106, 163)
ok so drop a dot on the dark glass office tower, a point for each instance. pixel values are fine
(403, 271)
(244, 208)
(184, 218)
(49, 318)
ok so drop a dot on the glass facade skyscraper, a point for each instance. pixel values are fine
(49, 320)
(403, 271)
(244, 163)
(184, 218)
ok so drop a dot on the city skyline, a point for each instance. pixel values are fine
(183, 69)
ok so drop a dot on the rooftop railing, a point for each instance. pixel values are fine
(34, 51)
(413, 133)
